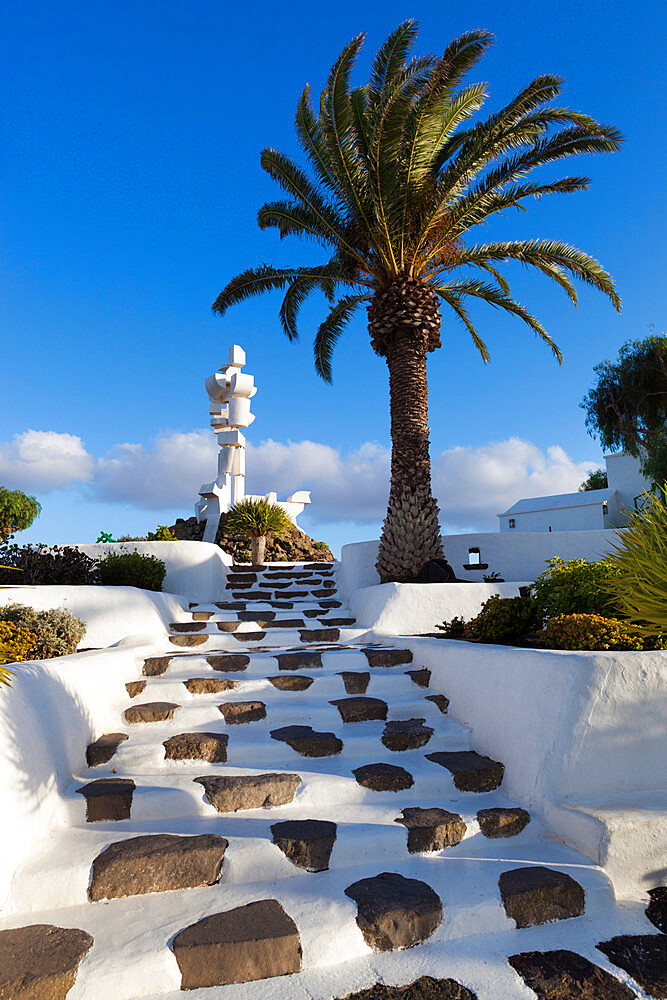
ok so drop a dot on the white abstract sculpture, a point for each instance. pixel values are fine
(230, 391)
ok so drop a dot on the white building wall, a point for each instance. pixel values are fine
(587, 517)
(624, 475)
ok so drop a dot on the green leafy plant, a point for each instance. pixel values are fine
(55, 633)
(574, 586)
(321, 546)
(399, 180)
(585, 631)
(257, 520)
(131, 569)
(17, 511)
(627, 407)
(639, 585)
(163, 533)
(47, 564)
(595, 480)
(503, 620)
(453, 629)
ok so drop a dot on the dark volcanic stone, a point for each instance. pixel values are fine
(236, 712)
(253, 616)
(156, 665)
(307, 742)
(291, 682)
(306, 842)
(134, 688)
(656, 910)
(440, 701)
(231, 626)
(406, 734)
(107, 799)
(355, 682)
(188, 640)
(339, 622)
(249, 636)
(536, 895)
(330, 604)
(187, 626)
(103, 748)
(255, 595)
(319, 634)
(40, 961)
(383, 777)
(230, 605)
(151, 711)
(395, 912)
(306, 660)
(564, 975)
(431, 829)
(228, 662)
(208, 685)
(381, 656)
(360, 709)
(642, 956)
(471, 771)
(315, 613)
(197, 746)
(255, 941)
(424, 988)
(287, 623)
(201, 616)
(156, 863)
(229, 793)
(495, 823)
(421, 678)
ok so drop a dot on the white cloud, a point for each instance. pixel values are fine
(44, 461)
(472, 484)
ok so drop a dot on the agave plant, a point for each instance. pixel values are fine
(640, 589)
(399, 179)
(257, 520)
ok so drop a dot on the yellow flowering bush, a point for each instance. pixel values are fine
(590, 632)
(16, 644)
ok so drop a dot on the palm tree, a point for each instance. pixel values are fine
(398, 180)
(257, 520)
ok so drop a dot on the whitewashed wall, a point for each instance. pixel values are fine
(516, 556)
(416, 608)
(198, 570)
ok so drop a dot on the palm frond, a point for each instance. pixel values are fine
(254, 281)
(490, 294)
(330, 332)
(456, 303)
(578, 263)
(391, 58)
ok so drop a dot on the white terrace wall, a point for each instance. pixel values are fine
(198, 570)
(516, 556)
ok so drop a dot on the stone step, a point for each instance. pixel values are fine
(348, 909)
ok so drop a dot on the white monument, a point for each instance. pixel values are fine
(230, 391)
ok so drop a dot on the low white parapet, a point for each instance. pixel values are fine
(416, 608)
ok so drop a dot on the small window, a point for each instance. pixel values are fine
(473, 557)
(512, 523)
(605, 508)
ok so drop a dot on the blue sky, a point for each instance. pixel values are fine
(131, 135)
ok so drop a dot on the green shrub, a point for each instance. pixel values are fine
(46, 564)
(321, 546)
(503, 620)
(131, 569)
(589, 632)
(55, 633)
(639, 587)
(574, 586)
(453, 629)
(162, 533)
(257, 520)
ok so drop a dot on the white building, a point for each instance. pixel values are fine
(590, 510)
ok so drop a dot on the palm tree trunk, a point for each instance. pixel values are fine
(411, 533)
(257, 549)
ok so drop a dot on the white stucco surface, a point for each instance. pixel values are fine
(583, 739)
(514, 555)
(196, 569)
(110, 613)
(406, 608)
(53, 711)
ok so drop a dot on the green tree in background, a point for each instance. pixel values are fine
(595, 480)
(399, 179)
(627, 407)
(17, 511)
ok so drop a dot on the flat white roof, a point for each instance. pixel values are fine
(587, 498)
